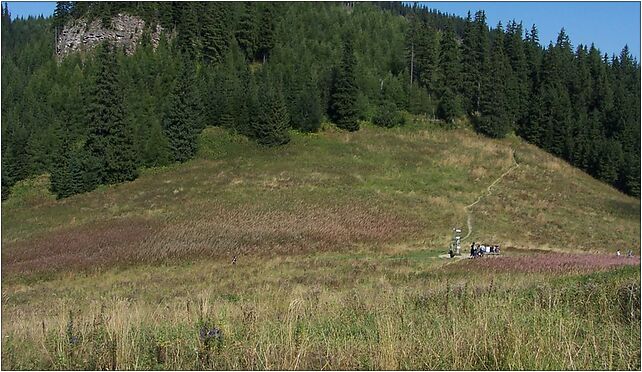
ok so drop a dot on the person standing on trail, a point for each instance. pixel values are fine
(629, 253)
(472, 249)
(617, 253)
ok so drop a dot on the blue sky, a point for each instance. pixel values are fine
(34, 8)
(610, 25)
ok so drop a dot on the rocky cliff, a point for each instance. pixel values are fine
(125, 31)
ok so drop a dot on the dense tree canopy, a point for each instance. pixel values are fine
(262, 69)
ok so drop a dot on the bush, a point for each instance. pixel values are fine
(388, 116)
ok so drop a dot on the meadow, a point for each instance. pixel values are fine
(338, 238)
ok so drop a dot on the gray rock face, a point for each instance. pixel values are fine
(125, 32)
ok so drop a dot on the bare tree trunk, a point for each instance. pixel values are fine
(412, 62)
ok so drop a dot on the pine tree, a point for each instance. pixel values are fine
(246, 96)
(450, 67)
(608, 161)
(253, 106)
(427, 58)
(533, 51)
(265, 42)
(8, 171)
(581, 88)
(475, 60)
(517, 86)
(495, 119)
(343, 107)
(68, 173)
(186, 29)
(110, 143)
(214, 32)
(411, 38)
(6, 15)
(246, 34)
(156, 149)
(180, 121)
(61, 15)
(271, 128)
(307, 113)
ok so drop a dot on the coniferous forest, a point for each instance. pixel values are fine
(264, 69)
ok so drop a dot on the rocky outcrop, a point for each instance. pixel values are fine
(125, 31)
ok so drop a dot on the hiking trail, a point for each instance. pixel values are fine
(488, 189)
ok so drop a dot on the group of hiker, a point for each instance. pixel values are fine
(478, 250)
(628, 254)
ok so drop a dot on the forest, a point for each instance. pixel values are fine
(266, 69)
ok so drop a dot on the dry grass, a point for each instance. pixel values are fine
(338, 237)
(324, 311)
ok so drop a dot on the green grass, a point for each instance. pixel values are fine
(338, 237)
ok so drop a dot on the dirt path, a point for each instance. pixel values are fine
(488, 189)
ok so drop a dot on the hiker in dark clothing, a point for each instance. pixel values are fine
(472, 249)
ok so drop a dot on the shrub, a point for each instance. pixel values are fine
(388, 116)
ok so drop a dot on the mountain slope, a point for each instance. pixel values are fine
(376, 190)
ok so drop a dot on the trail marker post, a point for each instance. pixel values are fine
(455, 245)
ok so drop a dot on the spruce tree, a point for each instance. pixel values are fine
(608, 161)
(475, 60)
(533, 51)
(180, 120)
(246, 96)
(449, 68)
(8, 172)
(156, 149)
(110, 143)
(307, 112)
(68, 175)
(343, 107)
(411, 38)
(253, 105)
(186, 29)
(427, 58)
(247, 30)
(517, 86)
(271, 128)
(214, 32)
(495, 119)
(61, 15)
(59, 176)
(265, 42)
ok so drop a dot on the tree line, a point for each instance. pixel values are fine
(263, 69)
(578, 104)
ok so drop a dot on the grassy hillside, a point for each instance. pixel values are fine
(400, 189)
(338, 237)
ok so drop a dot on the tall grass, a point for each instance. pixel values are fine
(381, 318)
(338, 237)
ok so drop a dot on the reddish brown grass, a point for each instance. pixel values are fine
(92, 245)
(220, 233)
(549, 262)
(307, 228)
